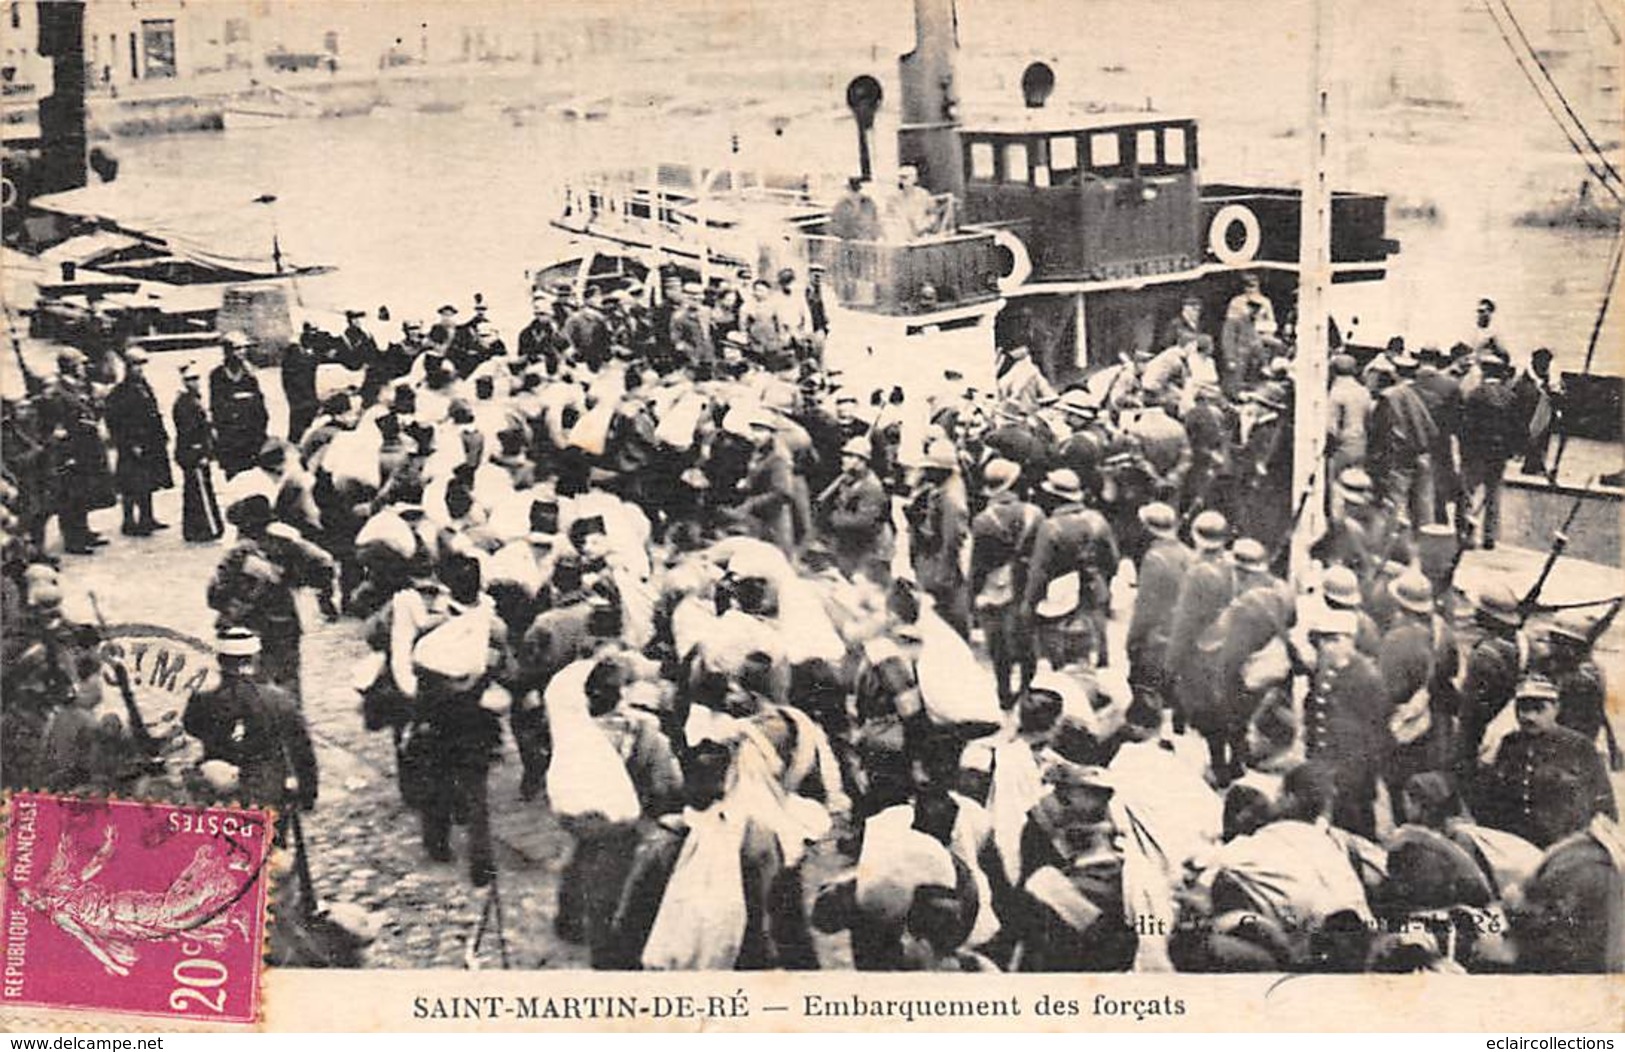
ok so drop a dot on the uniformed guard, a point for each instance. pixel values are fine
(238, 407)
(1547, 780)
(137, 429)
(80, 480)
(194, 450)
(256, 727)
(1581, 687)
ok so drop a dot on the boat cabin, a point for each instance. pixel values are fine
(1092, 199)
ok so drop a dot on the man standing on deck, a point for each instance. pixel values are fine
(1403, 435)
(1492, 431)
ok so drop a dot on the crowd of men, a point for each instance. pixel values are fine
(732, 612)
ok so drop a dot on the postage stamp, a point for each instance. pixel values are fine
(142, 908)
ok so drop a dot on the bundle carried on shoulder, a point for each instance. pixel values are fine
(587, 775)
(456, 648)
(955, 687)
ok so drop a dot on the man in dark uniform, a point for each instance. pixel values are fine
(1547, 780)
(356, 348)
(1163, 442)
(238, 408)
(1206, 590)
(1343, 720)
(540, 340)
(857, 513)
(689, 331)
(298, 368)
(81, 482)
(253, 587)
(137, 429)
(256, 727)
(1075, 538)
(1582, 692)
(194, 449)
(588, 331)
(1161, 573)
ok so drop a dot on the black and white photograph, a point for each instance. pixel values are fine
(1052, 486)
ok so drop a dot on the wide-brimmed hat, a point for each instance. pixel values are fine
(858, 447)
(1249, 554)
(1341, 587)
(1063, 483)
(1355, 484)
(999, 475)
(1159, 519)
(1209, 530)
(1498, 604)
(1412, 592)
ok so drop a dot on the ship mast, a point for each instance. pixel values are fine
(1314, 282)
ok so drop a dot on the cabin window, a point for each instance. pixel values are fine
(1173, 148)
(1041, 176)
(981, 161)
(1104, 152)
(1063, 155)
(1145, 148)
(1015, 163)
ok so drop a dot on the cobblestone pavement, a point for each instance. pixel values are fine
(364, 842)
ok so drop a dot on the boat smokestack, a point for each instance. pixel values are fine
(928, 131)
(62, 113)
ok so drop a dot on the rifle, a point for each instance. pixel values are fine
(1284, 543)
(32, 384)
(144, 740)
(1560, 541)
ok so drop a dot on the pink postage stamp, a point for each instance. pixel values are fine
(145, 908)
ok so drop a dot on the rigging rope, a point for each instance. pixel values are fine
(1600, 175)
(1558, 91)
(1591, 347)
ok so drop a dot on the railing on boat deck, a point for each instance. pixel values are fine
(892, 277)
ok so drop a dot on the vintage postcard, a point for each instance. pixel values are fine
(1118, 497)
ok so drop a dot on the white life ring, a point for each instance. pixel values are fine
(8, 193)
(1218, 240)
(1021, 265)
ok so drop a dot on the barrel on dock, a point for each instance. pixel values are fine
(261, 313)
